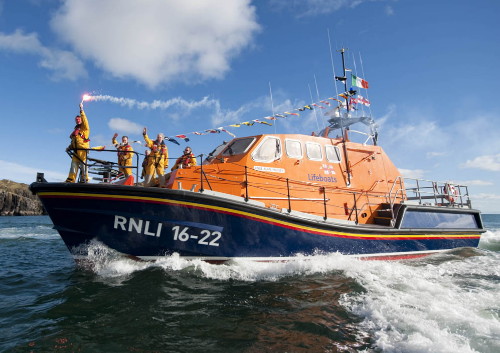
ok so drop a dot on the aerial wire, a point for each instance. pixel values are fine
(272, 105)
(317, 94)
(363, 73)
(314, 110)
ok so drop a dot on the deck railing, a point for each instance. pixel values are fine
(437, 193)
(106, 171)
(402, 190)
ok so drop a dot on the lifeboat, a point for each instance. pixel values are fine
(267, 198)
(270, 197)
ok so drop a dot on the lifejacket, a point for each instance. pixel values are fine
(77, 132)
(185, 160)
(123, 150)
(158, 150)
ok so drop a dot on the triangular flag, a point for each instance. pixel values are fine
(184, 137)
(227, 132)
(172, 140)
(262, 122)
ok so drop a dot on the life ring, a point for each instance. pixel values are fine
(450, 192)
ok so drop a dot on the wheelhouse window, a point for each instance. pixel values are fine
(441, 220)
(332, 154)
(215, 153)
(269, 150)
(238, 146)
(293, 148)
(313, 151)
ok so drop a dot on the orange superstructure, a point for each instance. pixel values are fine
(302, 173)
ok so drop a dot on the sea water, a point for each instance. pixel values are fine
(447, 302)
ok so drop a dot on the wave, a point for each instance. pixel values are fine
(449, 306)
(32, 232)
(446, 302)
(490, 240)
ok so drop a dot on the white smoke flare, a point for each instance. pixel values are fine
(157, 104)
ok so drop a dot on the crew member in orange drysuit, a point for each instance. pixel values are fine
(79, 145)
(157, 159)
(124, 154)
(186, 160)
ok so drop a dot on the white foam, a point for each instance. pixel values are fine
(443, 303)
(490, 240)
(40, 232)
(446, 307)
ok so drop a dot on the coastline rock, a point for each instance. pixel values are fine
(17, 200)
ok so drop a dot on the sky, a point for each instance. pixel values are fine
(180, 67)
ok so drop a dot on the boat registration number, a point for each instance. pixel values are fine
(191, 232)
(204, 237)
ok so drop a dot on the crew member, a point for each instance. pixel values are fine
(79, 145)
(124, 154)
(145, 163)
(186, 160)
(158, 159)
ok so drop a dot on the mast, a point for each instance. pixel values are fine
(344, 130)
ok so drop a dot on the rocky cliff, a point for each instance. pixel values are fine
(16, 200)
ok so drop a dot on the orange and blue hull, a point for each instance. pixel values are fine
(149, 223)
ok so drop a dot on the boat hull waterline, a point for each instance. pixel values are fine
(151, 223)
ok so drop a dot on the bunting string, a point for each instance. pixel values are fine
(322, 104)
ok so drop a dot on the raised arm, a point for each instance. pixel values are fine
(149, 142)
(85, 128)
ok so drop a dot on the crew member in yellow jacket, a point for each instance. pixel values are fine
(186, 160)
(125, 157)
(79, 143)
(157, 159)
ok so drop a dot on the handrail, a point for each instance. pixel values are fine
(397, 191)
(112, 165)
(442, 193)
(297, 190)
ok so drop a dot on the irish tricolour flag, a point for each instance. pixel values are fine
(359, 82)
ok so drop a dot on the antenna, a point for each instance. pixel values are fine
(363, 73)
(373, 127)
(314, 110)
(333, 66)
(348, 169)
(345, 82)
(317, 94)
(272, 105)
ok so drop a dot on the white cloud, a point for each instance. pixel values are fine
(420, 134)
(23, 174)
(221, 116)
(124, 126)
(63, 64)
(486, 162)
(158, 41)
(435, 154)
(412, 173)
(485, 196)
(474, 182)
(304, 8)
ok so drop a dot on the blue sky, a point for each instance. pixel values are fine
(183, 66)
